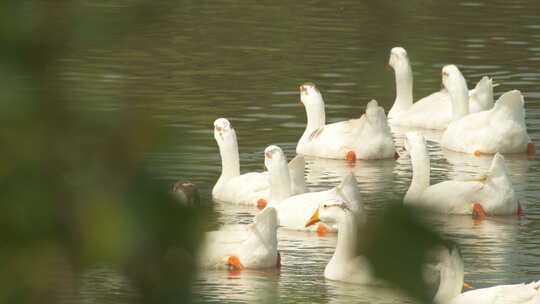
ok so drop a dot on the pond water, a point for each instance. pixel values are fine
(244, 60)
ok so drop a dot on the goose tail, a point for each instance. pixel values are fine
(511, 104)
(296, 172)
(348, 190)
(498, 166)
(483, 93)
(375, 114)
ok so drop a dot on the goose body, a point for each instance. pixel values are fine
(492, 194)
(294, 211)
(433, 111)
(515, 293)
(500, 129)
(247, 188)
(253, 247)
(345, 265)
(368, 137)
(451, 282)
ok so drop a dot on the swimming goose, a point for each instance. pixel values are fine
(368, 137)
(186, 192)
(294, 211)
(254, 247)
(345, 265)
(433, 111)
(249, 188)
(500, 129)
(491, 194)
(451, 283)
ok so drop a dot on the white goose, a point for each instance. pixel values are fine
(249, 188)
(368, 137)
(491, 194)
(451, 283)
(433, 111)
(294, 211)
(501, 129)
(345, 265)
(254, 247)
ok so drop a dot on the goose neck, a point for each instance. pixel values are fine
(420, 169)
(346, 242)
(459, 95)
(280, 185)
(230, 160)
(404, 88)
(451, 281)
(315, 116)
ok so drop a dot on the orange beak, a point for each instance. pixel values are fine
(314, 218)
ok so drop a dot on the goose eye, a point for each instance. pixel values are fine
(325, 206)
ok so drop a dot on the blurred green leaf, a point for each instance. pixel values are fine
(75, 191)
(398, 244)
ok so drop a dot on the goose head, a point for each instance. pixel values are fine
(455, 84)
(398, 58)
(330, 212)
(186, 192)
(310, 95)
(278, 170)
(452, 78)
(273, 155)
(223, 131)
